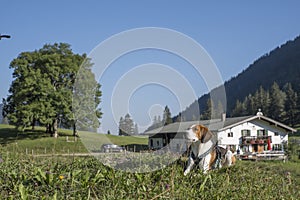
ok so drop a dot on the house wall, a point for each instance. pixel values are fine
(155, 143)
(278, 135)
(178, 145)
(175, 143)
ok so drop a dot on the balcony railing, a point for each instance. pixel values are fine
(256, 139)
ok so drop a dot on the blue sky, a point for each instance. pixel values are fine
(234, 33)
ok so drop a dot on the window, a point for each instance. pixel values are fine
(277, 147)
(276, 134)
(246, 132)
(262, 132)
(230, 134)
(177, 147)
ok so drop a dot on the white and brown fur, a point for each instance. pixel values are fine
(201, 141)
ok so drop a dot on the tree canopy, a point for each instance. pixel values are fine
(43, 86)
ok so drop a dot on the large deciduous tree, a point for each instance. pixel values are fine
(43, 86)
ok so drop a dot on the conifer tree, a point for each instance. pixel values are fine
(277, 102)
(127, 126)
(167, 116)
(121, 126)
(136, 129)
(207, 114)
(239, 109)
(290, 104)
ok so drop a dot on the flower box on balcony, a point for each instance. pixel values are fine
(260, 141)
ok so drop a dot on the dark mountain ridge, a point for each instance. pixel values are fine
(281, 65)
(1, 117)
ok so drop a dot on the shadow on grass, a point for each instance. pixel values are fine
(10, 135)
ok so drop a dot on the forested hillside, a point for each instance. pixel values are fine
(1, 113)
(281, 65)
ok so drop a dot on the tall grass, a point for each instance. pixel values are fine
(86, 178)
(23, 176)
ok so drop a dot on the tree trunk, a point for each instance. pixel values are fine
(54, 128)
(75, 133)
(33, 124)
(48, 129)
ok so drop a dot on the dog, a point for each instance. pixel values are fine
(205, 151)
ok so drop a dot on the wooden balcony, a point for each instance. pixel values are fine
(247, 140)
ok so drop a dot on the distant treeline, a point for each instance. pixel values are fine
(282, 104)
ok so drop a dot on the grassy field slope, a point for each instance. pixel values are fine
(40, 142)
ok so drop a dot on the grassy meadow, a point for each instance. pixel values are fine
(25, 176)
(38, 142)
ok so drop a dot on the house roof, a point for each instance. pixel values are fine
(215, 125)
(259, 117)
(178, 127)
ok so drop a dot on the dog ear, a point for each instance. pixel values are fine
(206, 135)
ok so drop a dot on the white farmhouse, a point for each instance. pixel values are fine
(249, 134)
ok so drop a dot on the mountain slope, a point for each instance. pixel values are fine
(1, 113)
(281, 65)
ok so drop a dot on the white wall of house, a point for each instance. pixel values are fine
(233, 135)
(278, 134)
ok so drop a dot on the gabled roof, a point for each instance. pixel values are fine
(181, 127)
(232, 123)
(215, 125)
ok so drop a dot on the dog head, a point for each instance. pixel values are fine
(198, 133)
